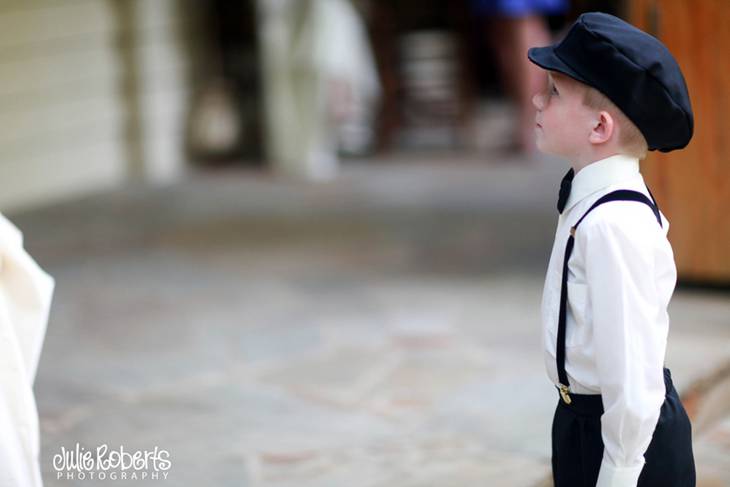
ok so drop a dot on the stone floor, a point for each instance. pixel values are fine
(379, 330)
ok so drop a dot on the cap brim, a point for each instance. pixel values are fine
(546, 58)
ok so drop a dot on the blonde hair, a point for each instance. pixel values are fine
(630, 139)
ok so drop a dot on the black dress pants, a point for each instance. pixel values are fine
(577, 446)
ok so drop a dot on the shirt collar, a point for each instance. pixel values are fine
(601, 174)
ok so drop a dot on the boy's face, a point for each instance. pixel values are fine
(563, 123)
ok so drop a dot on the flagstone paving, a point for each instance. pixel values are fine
(379, 330)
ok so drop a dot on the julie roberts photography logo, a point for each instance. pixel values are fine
(105, 463)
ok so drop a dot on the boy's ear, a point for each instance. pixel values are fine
(603, 127)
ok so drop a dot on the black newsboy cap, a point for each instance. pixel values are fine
(632, 68)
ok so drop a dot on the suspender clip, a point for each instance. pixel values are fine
(564, 390)
(572, 231)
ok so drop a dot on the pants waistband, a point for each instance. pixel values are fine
(592, 404)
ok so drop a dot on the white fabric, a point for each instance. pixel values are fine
(621, 276)
(311, 52)
(25, 298)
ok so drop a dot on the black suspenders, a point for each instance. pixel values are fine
(619, 195)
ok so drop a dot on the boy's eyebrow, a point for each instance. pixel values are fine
(553, 80)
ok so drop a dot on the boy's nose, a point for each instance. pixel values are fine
(537, 101)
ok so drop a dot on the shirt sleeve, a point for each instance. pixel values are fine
(630, 343)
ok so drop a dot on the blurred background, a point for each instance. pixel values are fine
(303, 242)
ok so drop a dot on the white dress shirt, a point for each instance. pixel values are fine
(621, 276)
(25, 299)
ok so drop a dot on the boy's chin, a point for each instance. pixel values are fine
(542, 148)
(547, 150)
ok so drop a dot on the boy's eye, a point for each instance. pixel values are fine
(554, 90)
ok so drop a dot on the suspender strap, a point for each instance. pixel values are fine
(619, 195)
(624, 195)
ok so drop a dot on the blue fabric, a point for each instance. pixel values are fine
(633, 69)
(516, 8)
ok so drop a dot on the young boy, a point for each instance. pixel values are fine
(613, 93)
